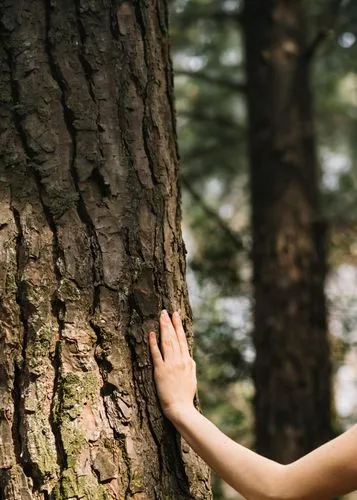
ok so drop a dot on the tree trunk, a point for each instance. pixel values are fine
(90, 251)
(292, 369)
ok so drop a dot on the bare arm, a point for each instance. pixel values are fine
(321, 475)
(327, 472)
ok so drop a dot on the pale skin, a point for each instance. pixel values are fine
(323, 474)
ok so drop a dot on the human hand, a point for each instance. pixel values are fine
(174, 369)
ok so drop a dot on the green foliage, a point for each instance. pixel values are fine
(208, 53)
(212, 124)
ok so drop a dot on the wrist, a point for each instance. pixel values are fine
(179, 414)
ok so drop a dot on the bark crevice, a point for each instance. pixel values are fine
(17, 392)
(69, 118)
(58, 308)
(88, 73)
(144, 90)
(29, 467)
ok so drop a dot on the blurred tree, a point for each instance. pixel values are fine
(211, 86)
(292, 372)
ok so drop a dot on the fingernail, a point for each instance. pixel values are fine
(164, 313)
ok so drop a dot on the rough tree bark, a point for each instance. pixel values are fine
(90, 251)
(292, 369)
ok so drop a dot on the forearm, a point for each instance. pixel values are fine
(323, 474)
(248, 473)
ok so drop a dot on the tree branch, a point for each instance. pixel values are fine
(190, 17)
(221, 121)
(232, 236)
(326, 30)
(222, 82)
(208, 153)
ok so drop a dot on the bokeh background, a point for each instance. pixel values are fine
(210, 82)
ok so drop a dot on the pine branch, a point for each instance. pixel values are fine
(232, 236)
(222, 82)
(190, 17)
(327, 29)
(219, 120)
(206, 153)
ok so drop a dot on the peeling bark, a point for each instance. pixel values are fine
(292, 369)
(90, 251)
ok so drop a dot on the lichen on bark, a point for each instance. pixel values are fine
(90, 252)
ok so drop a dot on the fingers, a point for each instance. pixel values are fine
(154, 348)
(170, 347)
(180, 332)
(173, 339)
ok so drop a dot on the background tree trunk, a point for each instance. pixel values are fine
(90, 251)
(292, 368)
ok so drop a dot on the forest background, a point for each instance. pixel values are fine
(209, 56)
(91, 246)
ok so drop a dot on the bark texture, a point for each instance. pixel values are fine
(292, 369)
(90, 251)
